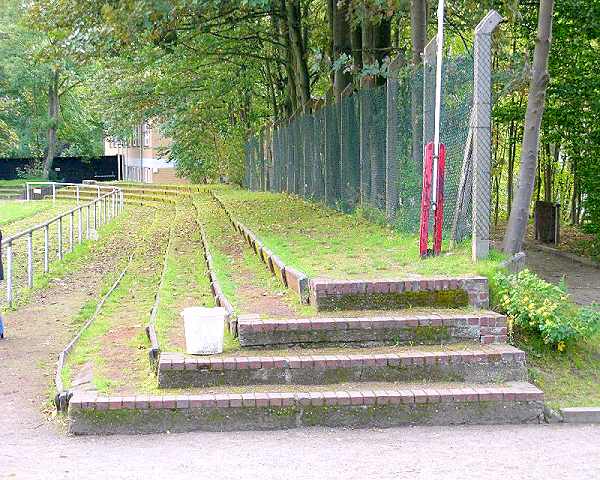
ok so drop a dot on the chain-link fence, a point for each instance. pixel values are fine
(365, 152)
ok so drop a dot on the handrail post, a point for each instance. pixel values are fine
(79, 225)
(95, 216)
(30, 260)
(60, 245)
(46, 247)
(9, 269)
(53, 192)
(71, 221)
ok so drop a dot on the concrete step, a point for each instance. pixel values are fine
(341, 405)
(465, 363)
(408, 327)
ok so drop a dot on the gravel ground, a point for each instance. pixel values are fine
(490, 452)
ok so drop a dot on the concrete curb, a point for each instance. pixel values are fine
(220, 298)
(560, 253)
(580, 415)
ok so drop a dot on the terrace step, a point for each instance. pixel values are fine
(421, 327)
(340, 405)
(389, 294)
(467, 363)
(130, 199)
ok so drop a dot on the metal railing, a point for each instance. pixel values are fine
(85, 218)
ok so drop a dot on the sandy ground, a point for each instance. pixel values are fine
(32, 446)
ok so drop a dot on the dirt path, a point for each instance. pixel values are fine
(583, 282)
(38, 331)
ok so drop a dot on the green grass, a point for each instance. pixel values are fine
(185, 282)
(322, 242)
(13, 211)
(20, 181)
(568, 379)
(238, 270)
(125, 312)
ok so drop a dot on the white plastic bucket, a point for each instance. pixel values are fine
(204, 330)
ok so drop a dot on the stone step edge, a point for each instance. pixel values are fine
(290, 277)
(419, 394)
(492, 326)
(177, 361)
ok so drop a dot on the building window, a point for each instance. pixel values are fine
(136, 137)
(146, 134)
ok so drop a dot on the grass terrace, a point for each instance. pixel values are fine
(325, 243)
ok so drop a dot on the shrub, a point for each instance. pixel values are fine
(543, 309)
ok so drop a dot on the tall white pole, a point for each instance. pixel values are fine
(438, 98)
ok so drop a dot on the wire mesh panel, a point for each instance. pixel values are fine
(367, 150)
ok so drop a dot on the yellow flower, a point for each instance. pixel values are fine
(561, 346)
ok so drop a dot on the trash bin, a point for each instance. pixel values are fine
(547, 222)
(204, 329)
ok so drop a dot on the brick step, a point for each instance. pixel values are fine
(340, 405)
(424, 327)
(389, 294)
(467, 363)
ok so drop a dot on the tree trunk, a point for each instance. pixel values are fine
(512, 149)
(281, 25)
(342, 46)
(53, 110)
(519, 215)
(376, 40)
(418, 33)
(298, 52)
(356, 40)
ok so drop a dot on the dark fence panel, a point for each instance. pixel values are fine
(66, 169)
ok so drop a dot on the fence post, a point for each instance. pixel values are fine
(391, 139)
(365, 163)
(53, 192)
(482, 133)
(77, 194)
(27, 194)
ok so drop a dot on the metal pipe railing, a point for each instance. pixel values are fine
(110, 204)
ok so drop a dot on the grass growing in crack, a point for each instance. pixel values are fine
(110, 343)
(236, 266)
(323, 242)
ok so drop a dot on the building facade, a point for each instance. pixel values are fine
(139, 158)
